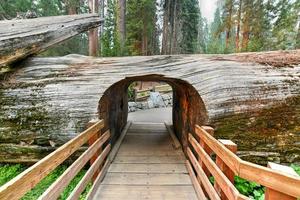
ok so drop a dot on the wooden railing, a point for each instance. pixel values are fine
(24, 182)
(140, 95)
(279, 184)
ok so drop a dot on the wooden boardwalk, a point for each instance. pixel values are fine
(147, 167)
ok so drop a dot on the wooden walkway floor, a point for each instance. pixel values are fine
(147, 167)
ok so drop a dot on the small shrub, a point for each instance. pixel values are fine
(250, 189)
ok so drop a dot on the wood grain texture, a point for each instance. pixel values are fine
(273, 179)
(197, 186)
(202, 178)
(22, 38)
(71, 87)
(154, 176)
(53, 192)
(224, 183)
(89, 174)
(18, 186)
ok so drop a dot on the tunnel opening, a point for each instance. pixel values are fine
(150, 102)
(188, 108)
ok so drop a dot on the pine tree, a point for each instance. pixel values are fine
(109, 41)
(284, 30)
(141, 26)
(215, 39)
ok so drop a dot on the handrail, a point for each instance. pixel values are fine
(277, 181)
(28, 179)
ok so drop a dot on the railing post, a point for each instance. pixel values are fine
(91, 141)
(271, 194)
(224, 168)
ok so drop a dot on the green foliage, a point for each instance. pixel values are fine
(191, 19)
(8, 172)
(296, 168)
(109, 40)
(131, 92)
(250, 189)
(142, 38)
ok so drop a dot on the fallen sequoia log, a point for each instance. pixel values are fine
(22, 38)
(48, 101)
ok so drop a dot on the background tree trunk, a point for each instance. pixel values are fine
(93, 33)
(237, 37)
(121, 25)
(165, 39)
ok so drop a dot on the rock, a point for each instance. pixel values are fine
(157, 99)
(145, 105)
(150, 104)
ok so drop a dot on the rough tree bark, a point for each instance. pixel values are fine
(22, 38)
(237, 37)
(165, 39)
(93, 33)
(228, 25)
(121, 25)
(246, 27)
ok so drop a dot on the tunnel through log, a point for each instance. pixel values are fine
(188, 107)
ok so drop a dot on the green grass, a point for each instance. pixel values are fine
(8, 172)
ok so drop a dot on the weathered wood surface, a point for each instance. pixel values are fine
(146, 180)
(49, 99)
(21, 38)
(273, 179)
(17, 187)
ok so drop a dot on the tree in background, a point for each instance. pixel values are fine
(142, 31)
(254, 25)
(182, 23)
(110, 39)
(121, 23)
(132, 27)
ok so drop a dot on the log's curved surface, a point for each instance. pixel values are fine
(22, 38)
(50, 99)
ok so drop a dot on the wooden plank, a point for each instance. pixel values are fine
(140, 192)
(273, 194)
(150, 159)
(117, 145)
(202, 178)
(146, 179)
(18, 186)
(229, 158)
(227, 187)
(259, 174)
(147, 168)
(98, 181)
(89, 174)
(224, 168)
(59, 185)
(197, 186)
(22, 38)
(175, 140)
(92, 140)
(206, 148)
(276, 180)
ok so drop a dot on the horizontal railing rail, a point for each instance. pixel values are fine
(144, 94)
(227, 164)
(27, 180)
